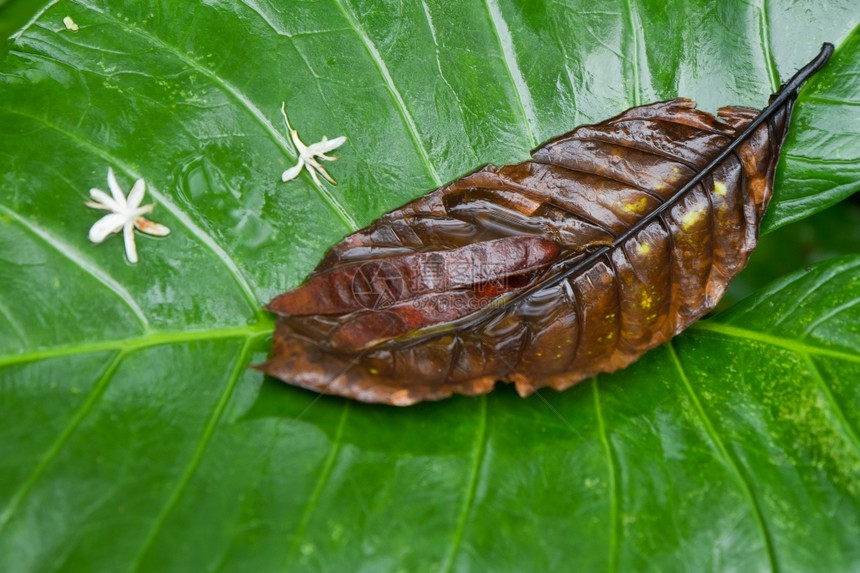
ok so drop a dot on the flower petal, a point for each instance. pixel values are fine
(314, 166)
(325, 157)
(300, 147)
(102, 201)
(135, 196)
(316, 179)
(284, 113)
(105, 226)
(325, 174)
(326, 145)
(151, 227)
(293, 171)
(115, 189)
(128, 237)
(140, 211)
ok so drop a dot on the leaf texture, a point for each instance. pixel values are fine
(610, 241)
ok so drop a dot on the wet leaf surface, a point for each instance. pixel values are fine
(610, 241)
(134, 418)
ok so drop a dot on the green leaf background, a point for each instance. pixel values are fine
(134, 438)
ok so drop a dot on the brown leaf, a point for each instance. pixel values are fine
(612, 240)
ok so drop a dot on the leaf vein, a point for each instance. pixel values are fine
(821, 98)
(57, 446)
(460, 109)
(36, 17)
(408, 120)
(634, 34)
(509, 57)
(328, 466)
(661, 155)
(830, 314)
(728, 460)
(844, 164)
(471, 487)
(82, 262)
(614, 483)
(764, 34)
(799, 347)
(147, 340)
(14, 324)
(190, 470)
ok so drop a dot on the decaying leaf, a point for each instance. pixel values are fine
(612, 240)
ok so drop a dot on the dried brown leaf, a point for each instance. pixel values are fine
(612, 240)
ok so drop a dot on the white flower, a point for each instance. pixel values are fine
(125, 214)
(309, 153)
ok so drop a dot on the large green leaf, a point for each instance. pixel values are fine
(827, 234)
(135, 436)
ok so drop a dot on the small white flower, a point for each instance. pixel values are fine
(309, 153)
(125, 214)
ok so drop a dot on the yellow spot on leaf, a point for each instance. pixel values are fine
(374, 371)
(691, 218)
(720, 188)
(643, 248)
(646, 301)
(636, 206)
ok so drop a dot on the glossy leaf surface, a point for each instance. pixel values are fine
(133, 416)
(610, 241)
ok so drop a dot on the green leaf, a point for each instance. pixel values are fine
(139, 440)
(821, 157)
(16, 13)
(827, 234)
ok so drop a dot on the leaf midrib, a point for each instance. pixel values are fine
(253, 331)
